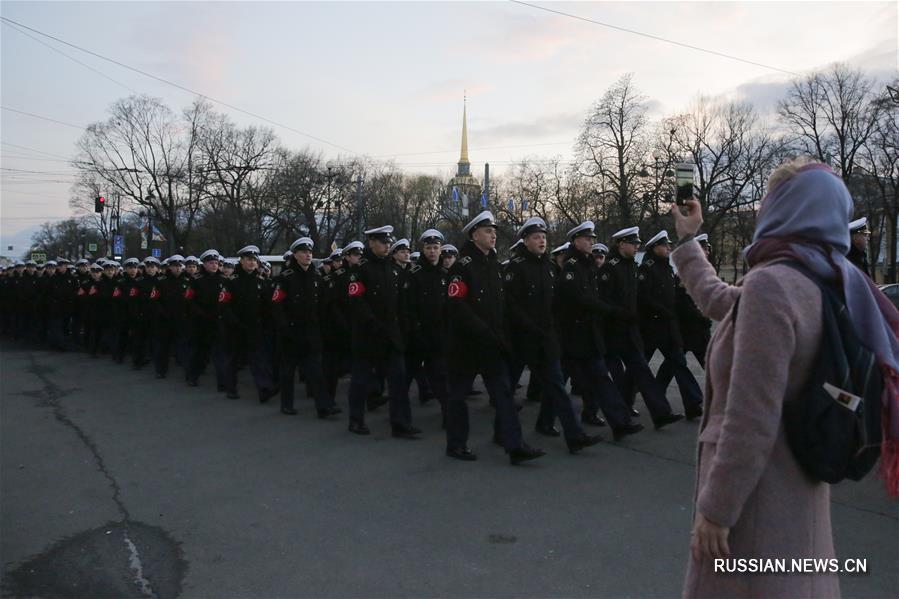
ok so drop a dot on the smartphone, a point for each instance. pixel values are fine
(685, 181)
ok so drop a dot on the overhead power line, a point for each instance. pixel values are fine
(43, 118)
(70, 57)
(176, 85)
(654, 37)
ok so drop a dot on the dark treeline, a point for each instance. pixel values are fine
(206, 182)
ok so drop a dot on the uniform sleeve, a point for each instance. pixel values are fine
(356, 291)
(648, 294)
(713, 296)
(279, 303)
(459, 311)
(514, 286)
(764, 343)
(573, 291)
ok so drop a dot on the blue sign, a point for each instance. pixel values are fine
(157, 253)
(118, 245)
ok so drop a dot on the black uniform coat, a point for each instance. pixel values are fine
(242, 306)
(657, 302)
(202, 297)
(477, 339)
(696, 329)
(169, 299)
(295, 308)
(334, 309)
(375, 303)
(530, 289)
(427, 308)
(618, 287)
(580, 310)
(61, 295)
(860, 259)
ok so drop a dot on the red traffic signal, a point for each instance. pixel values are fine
(99, 204)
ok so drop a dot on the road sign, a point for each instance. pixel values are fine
(118, 245)
(92, 247)
(157, 253)
(39, 256)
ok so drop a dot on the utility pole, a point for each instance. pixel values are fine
(359, 208)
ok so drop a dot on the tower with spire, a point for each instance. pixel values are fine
(467, 186)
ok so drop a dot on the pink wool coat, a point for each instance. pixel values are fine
(747, 478)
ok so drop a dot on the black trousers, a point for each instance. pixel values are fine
(291, 359)
(258, 358)
(138, 335)
(554, 400)
(205, 345)
(505, 423)
(336, 362)
(690, 393)
(169, 339)
(364, 370)
(598, 390)
(629, 369)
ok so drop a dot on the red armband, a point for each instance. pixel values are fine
(457, 289)
(279, 295)
(356, 289)
(224, 296)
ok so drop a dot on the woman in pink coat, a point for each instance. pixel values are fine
(752, 499)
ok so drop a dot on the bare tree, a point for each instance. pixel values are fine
(143, 154)
(831, 114)
(614, 145)
(878, 183)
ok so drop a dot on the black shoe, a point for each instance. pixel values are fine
(497, 440)
(288, 411)
(666, 420)
(634, 412)
(376, 401)
(405, 431)
(593, 419)
(628, 429)
(266, 394)
(473, 393)
(582, 441)
(461, 453)
(193, 383)
(525, 453)
(694, 414)
(160, 375)
(328, 412)
(358, 428)
(219, 388)
(232, 395)
(425, 398)
(547, 431)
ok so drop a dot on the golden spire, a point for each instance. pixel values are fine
(464, 157)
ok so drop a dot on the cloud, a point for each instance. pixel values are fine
(556, 126)
(451, 89)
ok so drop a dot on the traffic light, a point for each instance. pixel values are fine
(99, 204)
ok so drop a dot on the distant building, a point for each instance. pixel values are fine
(464, 191)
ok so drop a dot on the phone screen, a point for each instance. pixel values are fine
(684, 180)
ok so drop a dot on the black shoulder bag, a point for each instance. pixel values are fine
(834, 428)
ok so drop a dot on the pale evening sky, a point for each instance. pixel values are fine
(386, 78)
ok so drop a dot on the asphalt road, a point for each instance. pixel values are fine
(113, 483)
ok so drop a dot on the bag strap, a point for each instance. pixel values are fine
(827, 291)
